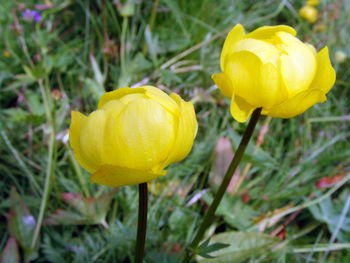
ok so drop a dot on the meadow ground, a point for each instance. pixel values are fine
(293, 204)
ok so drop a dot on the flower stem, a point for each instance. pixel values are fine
(208, 218)
(151, 23)
(142, 223)
(51, 163)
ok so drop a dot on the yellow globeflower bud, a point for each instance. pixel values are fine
(272, 69)
(6, 54)
(312, 2)
(320, 27)
(309, 13)
(133, 135)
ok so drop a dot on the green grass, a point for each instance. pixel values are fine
(82, 49)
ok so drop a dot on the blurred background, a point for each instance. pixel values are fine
(289, 201)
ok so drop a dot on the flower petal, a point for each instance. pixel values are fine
(91, 139)
(110, 175)
(325, 74)
(162, 98)
(266, 51)
(126, 95)
(223, 84)
(257, 83)
(298, 104)
(236, 33)
(266, 32)
(298, 64)
(240, 109)
(141, 135)
(112, 109)
(126, 99)
(117, 94)
(78, 121)
(185, 134)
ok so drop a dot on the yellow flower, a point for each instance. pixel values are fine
(320, 27)
(309, 13)
(272, 69)
(312, 2)
(6, 54)
(133, 135)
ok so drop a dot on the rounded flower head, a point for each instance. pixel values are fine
(133, 135)
(309, 13)
(272, 69)
(312, 2)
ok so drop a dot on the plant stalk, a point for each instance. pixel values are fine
(51, 164)
(142, 223)
(123, 45)
(151, 23)
(208, 218)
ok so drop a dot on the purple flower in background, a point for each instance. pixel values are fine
(31, 15)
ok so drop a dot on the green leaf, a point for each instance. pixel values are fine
(259, 158)
(36, 106)
(39, 71)
(205, 249)
(22, 79)
(15, 114)
(89, 210)
(152, 43)
(234, 211)
(98, 76)
(10, 253)
(128, 9)
(330, 212)
(20, 115)
(140, 64)
(177, 13)
(21, 223)
(168, 76)
(63, 217)
(93, 87)
(178, 219)
(240, 246)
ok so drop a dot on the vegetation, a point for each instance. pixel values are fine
(293, 204)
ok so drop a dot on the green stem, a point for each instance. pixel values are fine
(142, 223)
(123, 45)
(151, 23)
(21, 163)
(50, 165)
(208, 218)
(78, 172)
